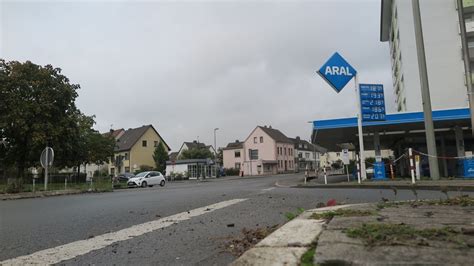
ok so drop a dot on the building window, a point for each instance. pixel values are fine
(306, 155)
(144, 143)
(300, 155)
(237, 154)
(237, 165)
(254, 139)
(285, 150)
(253, 154)
(126, 156)
(156, 144)
(261, 139)
(127, 169)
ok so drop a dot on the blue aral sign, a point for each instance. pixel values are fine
(337, 72)
(372, 102)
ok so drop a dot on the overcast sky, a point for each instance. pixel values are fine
(188, 67)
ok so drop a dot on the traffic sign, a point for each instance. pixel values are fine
(345, 156)
(47, 157)
(372, 102)
(337, 72)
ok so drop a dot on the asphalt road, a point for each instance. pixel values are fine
(32, 225)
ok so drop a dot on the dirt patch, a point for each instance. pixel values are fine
(248, 239)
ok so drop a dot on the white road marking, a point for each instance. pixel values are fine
(81, 247)
(266, 190)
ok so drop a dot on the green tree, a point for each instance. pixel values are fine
(89, 145)
(196, 153)
(36, 109)
(160, 156)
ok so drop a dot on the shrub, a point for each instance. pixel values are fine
(14, 185)
(231, 171)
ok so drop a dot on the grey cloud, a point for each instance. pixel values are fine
(190, 67)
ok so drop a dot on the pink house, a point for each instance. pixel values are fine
(265, 151)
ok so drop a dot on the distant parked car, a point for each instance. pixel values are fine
(147, 179)
(125, 176)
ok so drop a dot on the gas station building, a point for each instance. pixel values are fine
(401, 131)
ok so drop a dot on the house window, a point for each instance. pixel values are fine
(156, 144)
(253, 154)
(261, 139)
(306, 155)
(237, 165)
(127, 169)
(237, 154)
(144, 143)
(126, 156)
(254, 139)
(300, 155)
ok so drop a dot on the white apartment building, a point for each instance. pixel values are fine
(443, 51)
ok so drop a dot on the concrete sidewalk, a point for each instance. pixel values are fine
(437, 232)
(449, 185)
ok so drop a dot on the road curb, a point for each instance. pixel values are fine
(31, 195)
(286, 245)
(400, 186)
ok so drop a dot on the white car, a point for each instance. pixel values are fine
(147, 179)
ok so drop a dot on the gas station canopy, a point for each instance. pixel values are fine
(335, 134)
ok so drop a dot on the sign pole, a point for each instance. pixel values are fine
(359, 127)
(347, 172)
(46, 170)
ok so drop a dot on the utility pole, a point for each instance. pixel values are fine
(466, 59)
(425, 92)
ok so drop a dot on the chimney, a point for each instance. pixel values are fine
(298, 138)
(237, 141)
(195, 141)
(111, 130)
(265, 126)
(270, 126)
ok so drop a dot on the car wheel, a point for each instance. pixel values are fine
(144, 184)
(162, 183)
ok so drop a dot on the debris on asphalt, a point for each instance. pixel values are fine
(331, 202)
(247, 239)
(230, 225)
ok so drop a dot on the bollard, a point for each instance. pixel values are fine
(392, 174)
(412, 166)
(325, 176)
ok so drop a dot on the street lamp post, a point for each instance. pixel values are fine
(215, 150)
